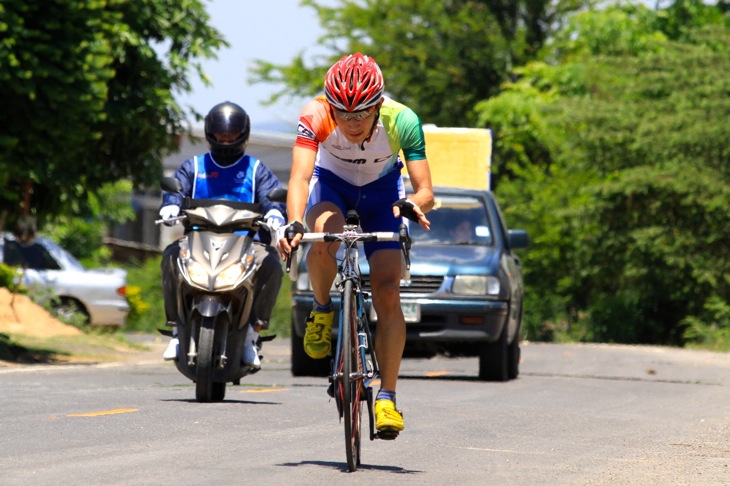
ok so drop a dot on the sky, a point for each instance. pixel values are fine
(273, 30)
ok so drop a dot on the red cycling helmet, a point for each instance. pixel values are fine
(354, 83)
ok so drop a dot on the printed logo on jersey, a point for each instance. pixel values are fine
(241, 175)
(304, 132)
(211, 175)
(363, 161)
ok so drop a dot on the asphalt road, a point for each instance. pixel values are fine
(578, 414)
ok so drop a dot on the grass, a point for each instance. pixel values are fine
(89, 347)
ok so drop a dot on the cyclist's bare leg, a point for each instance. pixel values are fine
(321, 263)
(390, 338)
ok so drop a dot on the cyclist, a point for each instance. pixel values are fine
(227, 173)
(346, 157)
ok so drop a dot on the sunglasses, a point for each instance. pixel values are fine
(355, 115)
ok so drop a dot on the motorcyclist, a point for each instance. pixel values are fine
(226, 172)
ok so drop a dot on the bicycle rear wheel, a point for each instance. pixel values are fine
(352, 374)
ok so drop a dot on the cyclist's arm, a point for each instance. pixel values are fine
(420, 175)
(422, 196)
(413, 144)
(314, 126)
(300, 175)
(298, 191)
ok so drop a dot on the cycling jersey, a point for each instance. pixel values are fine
(398, 128)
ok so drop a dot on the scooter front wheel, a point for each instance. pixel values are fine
(205, 364)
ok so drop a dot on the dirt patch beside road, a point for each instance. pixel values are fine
(20, 315)
(29, 334)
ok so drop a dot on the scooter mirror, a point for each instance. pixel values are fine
(170, 184)
(278, 195)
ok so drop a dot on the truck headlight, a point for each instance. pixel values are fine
(475, 285)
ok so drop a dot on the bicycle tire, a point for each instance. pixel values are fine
(351, 376)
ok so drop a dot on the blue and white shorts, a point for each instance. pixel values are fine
(373, 202)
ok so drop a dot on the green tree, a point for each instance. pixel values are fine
(86, 87)
(440, 57)
(83, 236)
(636, 117)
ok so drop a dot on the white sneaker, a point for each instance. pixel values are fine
(250, 350)
(171, 351)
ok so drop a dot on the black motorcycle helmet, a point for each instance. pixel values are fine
(227, 117)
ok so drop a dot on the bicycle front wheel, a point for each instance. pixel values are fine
(352, 374)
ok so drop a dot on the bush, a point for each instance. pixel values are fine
(144, 294)
(280, 323)
(711, 330)
(8, 276)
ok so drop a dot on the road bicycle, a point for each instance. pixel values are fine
(355, 364)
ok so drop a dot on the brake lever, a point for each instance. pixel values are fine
(405, 244)
(289, 259)
(175, 220)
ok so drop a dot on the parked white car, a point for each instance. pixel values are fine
(52, 273)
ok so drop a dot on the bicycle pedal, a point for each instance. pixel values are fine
(387, 434)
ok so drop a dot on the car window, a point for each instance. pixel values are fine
(66, 260)
(32, 255)
(456, 220)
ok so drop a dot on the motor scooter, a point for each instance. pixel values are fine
(215, 289)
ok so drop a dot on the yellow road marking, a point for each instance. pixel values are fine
(264, 390)
(104, 412)
(437, 373)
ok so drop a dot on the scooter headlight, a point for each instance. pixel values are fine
(236, 272)
(229, 276)
(197, 273)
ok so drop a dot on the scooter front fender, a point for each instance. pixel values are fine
(209, 305)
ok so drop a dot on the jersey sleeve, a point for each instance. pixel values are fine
(186, 175)
(413, 142)
(315, 124)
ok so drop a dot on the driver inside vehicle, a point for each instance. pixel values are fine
(461, 234)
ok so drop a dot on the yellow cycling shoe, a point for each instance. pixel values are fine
(318, 336)
(388, 420)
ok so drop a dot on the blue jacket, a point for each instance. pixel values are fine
(247, 180)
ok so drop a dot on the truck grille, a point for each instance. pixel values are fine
(419, 285)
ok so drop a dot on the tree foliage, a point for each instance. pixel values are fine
(438, 56)
(636, 116)
(87, 88)
(611, 129)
